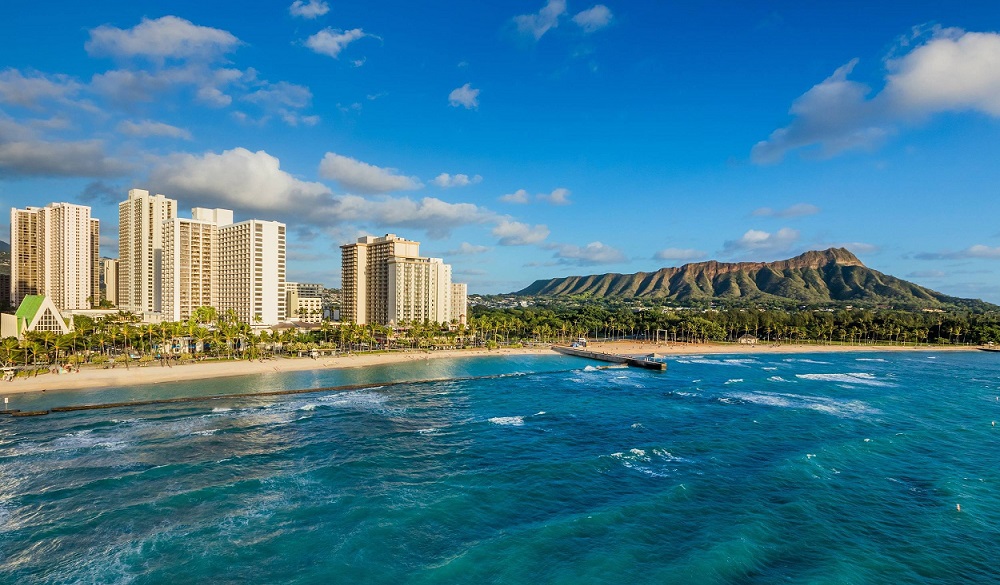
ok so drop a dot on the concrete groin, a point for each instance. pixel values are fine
(610, 357)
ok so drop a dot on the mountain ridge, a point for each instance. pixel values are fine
(818, 276)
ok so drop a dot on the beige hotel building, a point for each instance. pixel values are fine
(55, 252)
(386, 281)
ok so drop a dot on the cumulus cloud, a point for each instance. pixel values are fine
(519, 196)
(559, 196)
(593, 19)
(515, 233)
(103, 192)
(589, 255)
(281, 94)
(949, 71)
(147, 128)
(447, 181)
(467, 249)
(284, 100)
(27, 91)
(331, 42)
(539, 23)
(683, 254)
(797, 210)
(310, 9)
(464, 96)
(977, 251)
(758, 241)
(128, 86)
(238, 178)
(41, 158)
(162, 38)
(362, 177)
(430, 214)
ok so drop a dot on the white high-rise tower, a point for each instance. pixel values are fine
(140, 248)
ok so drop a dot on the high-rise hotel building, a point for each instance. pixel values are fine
(191, 262)
(252, 271)
(386, 281)
(140, 250)
(55, 252)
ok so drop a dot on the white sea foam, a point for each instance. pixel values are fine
(221, 409)
(653, 465)
(863, 378)
(205, 432)
(869, 360)
(427, 431)
(741, 363)
(734, 380)
(589, 369)
(769, 369)
(308, 407)
(804, 361)
(540, 413)
(832, 406)
(777, 379)
(508, 421)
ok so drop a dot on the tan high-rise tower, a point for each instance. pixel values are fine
(386, 281)
(53, 254)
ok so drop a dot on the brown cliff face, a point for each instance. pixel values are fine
(814, 277)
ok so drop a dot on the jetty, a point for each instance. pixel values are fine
(611, 357)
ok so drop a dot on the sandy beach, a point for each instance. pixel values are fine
(154, 373)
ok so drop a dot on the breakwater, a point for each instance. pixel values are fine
(610, 357)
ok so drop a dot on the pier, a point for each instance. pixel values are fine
(610, 357)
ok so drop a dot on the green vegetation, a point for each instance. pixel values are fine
(121, 340)
(563, 320)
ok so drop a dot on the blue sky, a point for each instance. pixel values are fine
(527, 139)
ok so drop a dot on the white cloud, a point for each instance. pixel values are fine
(539, 23)
(430, 214)
(594, 18)
(977, 251)
(27, 91)
(238, 178)
(682, 254)
(467, 249)
(952, 71)
(559, 196)
(445, 180)
(283, 94)
(127, 86)
(797, 210)
(362, 177)
(515, 233)
(519, 196)
(40, 158)
(310, 9)
(146, 128)
(162, 38)
(591, 254)
(331, 42)
(758, 241)
(464, 96)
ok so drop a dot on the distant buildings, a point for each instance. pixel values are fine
(169, 266)
(304, 302)
(386, 281)
(54, 253)
(108, 283)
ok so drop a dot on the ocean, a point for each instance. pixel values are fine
(810, 468)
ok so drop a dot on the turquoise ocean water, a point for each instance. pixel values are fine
(814, 468)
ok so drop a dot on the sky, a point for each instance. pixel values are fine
(527, 139)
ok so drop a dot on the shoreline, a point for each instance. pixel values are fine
(91, 378)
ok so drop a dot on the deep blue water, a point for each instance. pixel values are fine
(842, 468)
